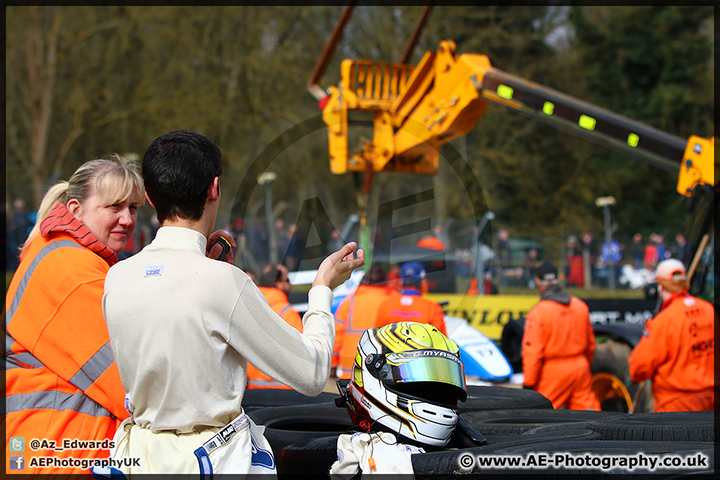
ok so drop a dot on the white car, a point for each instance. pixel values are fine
(483, 360)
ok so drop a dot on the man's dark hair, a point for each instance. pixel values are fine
(270, 275)
(178, 168)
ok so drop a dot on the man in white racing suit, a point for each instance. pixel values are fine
(183, 327)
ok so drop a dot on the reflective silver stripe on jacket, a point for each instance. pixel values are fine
(54, 400)
(31, 269)
(18, 360)
(93, 368)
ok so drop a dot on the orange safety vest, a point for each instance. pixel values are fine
(63, 395)
(410, 306)
(677, 353)
(356, 313)
(557, 351)
(279, 303)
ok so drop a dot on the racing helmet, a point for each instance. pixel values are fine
(407, 378)
(671, 276)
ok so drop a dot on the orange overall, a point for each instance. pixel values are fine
(62, 383)
(557, 350)
(410, 306)
(279, 303)
(356, 313)
(677, 353)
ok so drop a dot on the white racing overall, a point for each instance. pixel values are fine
(237, 448)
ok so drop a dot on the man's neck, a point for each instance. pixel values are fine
(200, 225)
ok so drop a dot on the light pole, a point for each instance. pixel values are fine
(266, 179)
(605, 203)
(479, 260)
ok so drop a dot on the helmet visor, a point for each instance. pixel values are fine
(428, 365)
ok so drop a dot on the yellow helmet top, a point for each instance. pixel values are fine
(405, 336)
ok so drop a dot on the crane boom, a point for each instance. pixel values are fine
(416, 109)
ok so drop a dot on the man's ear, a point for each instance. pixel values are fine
(74, 207)
(150, 201)
(214, 190)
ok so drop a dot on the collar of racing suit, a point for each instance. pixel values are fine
(556, 294)
(61, 222)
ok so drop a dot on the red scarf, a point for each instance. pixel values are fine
(61, 221)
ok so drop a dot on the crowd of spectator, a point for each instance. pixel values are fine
(585, 260)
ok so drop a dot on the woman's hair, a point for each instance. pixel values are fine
(112, 180)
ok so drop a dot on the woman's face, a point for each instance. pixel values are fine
(111, 224)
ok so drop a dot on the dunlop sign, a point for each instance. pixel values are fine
(487, 313)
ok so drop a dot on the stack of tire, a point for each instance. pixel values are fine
(515, 422)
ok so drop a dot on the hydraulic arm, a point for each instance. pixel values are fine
(416, 109)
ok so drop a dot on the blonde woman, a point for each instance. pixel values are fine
(64, 399)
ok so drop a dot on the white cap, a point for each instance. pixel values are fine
(670, 269)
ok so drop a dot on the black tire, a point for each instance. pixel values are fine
(495, 398)
(313, 458)
(662, 426)
(611, 356)
(445, 463)
(523, 420)
(267, 397)
(301, 423)
(558, 427)
(296, 424)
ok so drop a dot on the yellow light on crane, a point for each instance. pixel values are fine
(505, 92)
(588, 123)
(548, 108)
(633, 140)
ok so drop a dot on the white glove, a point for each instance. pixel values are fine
(375, 452)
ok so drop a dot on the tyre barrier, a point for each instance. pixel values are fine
(268, 397)
(480, 397)
(495, 398)
(517, 421)
(287, 423)
(300, 423)
(660, 426)
(447, 464)
(315, 457)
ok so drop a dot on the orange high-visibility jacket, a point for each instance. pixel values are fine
(354, 315)
(557, 351)
(410, 306)
(677, 353)
(62, 384)
(279, 303)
